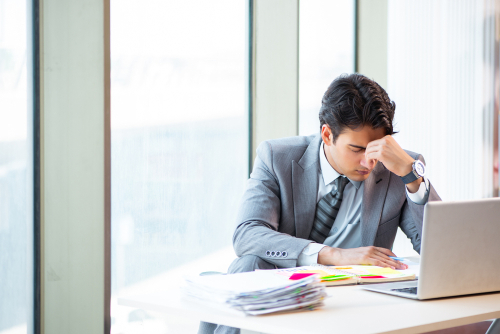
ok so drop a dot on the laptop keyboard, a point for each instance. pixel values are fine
(407, 290)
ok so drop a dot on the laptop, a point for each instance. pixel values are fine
(459, 254)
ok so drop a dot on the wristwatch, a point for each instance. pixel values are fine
(418, 170)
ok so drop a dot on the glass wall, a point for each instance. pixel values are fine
(327, 38)
(16, 185)
(179, 145)
(440, 73)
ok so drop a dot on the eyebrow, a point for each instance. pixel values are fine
(364, 148)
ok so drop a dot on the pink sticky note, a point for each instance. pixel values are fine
(372, 277)
(297, 276)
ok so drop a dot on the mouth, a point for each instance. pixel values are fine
(363, 172)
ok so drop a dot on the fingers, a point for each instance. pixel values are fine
(375, 261)
(381, 147)
(387, 261)
(372, 156)
(377, 142)
(373, 152)
(376, 256)
(373, 147)
(381, 256)
(395, 264)
(382, 261)
(385, 251)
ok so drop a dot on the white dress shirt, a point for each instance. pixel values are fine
(346, 232)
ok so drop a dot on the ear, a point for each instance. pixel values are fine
(326, 134)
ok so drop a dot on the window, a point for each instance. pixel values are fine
(326, 50)
(16, 182)
(440, 74)
(179, 143)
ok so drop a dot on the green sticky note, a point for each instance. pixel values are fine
(335, 277)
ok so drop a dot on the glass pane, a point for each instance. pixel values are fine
(326, 50)
(440, 73)
(179, 145)
(16, 187)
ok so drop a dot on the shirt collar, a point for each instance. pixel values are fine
(328, 172)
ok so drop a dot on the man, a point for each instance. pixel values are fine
(334, 198)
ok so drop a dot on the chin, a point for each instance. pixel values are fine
(358, 177)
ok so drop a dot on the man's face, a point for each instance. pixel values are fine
(347, 155)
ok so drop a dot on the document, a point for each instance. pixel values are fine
(256, 293)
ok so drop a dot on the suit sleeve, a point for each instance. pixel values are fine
(259, 216)
(412, 217)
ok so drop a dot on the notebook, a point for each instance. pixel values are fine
(347, 275)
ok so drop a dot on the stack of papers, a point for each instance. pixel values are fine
(256, 293)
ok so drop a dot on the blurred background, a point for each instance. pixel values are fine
(183, 118)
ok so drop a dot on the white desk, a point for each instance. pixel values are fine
(349, 310)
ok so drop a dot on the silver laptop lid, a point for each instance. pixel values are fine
(460, 250)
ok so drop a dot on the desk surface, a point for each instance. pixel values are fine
(350, 309)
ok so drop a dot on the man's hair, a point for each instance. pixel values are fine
(354, 100)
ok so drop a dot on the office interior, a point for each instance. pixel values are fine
(128, 130)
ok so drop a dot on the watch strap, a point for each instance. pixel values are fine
(410, 177)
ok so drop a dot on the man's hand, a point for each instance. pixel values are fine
(376, 256)
(394, 158)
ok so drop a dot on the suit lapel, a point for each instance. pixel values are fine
(374, 195)
(305, 188)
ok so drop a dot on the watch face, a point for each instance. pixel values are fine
(420, 168)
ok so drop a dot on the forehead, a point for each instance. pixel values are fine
(361, 136)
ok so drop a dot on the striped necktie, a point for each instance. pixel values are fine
(327, 210)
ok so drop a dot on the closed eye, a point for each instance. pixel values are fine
(356, 148)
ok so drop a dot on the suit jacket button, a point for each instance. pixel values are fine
(284, 254)
(268, 253)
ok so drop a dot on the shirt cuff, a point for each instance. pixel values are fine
(309, 254)
(422, 194)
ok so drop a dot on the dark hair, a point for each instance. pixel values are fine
(354, 100)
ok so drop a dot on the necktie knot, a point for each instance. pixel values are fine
(340, 184)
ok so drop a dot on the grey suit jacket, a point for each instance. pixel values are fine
(278, 207)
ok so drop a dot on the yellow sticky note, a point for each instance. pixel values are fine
(382, 271)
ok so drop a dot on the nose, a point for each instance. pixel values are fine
(368, 163)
